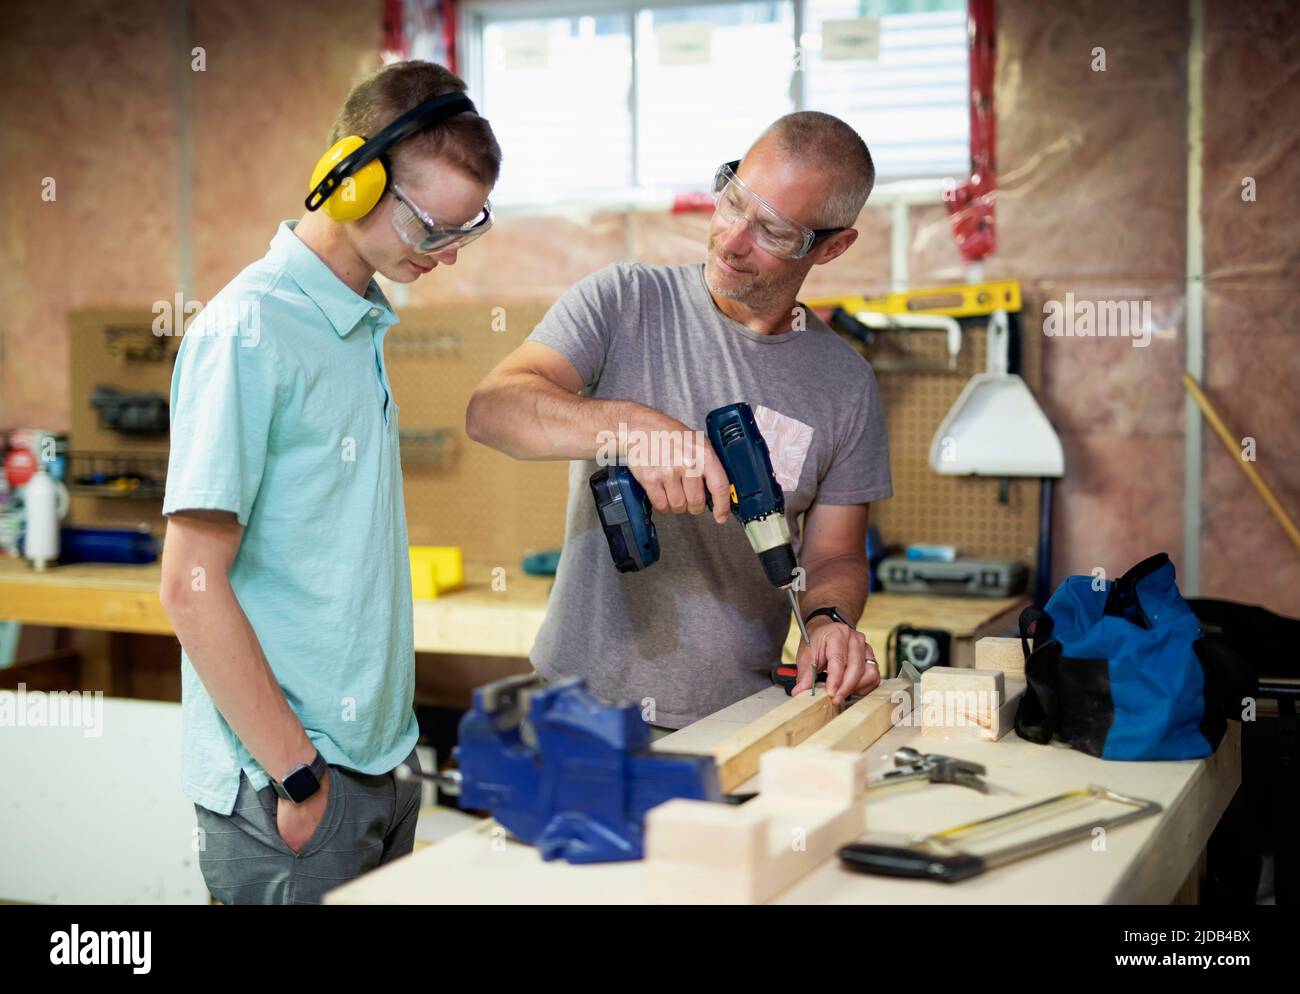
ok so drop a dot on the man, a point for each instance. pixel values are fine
(285, 569)
(636, 350)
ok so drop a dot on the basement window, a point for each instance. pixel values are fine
(617, 101)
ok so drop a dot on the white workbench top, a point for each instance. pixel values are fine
(1143, 862)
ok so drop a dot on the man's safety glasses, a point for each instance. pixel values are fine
(424, 234)
(773, 232)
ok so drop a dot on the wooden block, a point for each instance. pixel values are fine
(711, 834)
(946, 678)
(811, 804)
(987, 725)
(864, 721)
(964, 701)
(1000, 654)
(788, 724)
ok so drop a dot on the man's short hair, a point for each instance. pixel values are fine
(465, 141)
(826, 143)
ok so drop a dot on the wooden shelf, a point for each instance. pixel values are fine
(475, 620)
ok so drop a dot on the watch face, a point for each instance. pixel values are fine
(301, 784)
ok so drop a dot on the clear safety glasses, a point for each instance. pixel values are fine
(773, 231)
(424, 234)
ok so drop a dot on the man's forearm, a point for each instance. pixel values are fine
(526, 416)
(841, 583)
(228, 658)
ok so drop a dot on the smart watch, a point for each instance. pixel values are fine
(828, 612)
(303, 780)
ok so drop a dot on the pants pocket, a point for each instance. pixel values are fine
(407, 793)
(329, 821)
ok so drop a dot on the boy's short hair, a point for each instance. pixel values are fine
(465, 141)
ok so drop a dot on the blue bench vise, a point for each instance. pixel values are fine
(567, 773)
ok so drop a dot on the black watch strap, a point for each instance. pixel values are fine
(302, 781)
(828, 612)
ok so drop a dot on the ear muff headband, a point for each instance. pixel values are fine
(364, 160)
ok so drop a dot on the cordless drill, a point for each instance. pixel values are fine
(756, 496)
(756, 499)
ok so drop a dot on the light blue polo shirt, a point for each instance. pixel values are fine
(281, 411)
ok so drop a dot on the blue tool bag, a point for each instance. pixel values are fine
(1122, 670)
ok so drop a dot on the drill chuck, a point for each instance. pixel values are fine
(779, 564)
(769, 537)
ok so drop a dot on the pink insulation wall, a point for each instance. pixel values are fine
(89, 102)
(1092, 193)
(1092, 203)
(1093, 170)
(1252, 308)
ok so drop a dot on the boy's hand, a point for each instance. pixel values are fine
(297, 823)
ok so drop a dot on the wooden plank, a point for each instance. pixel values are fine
(97, 596)
(865, 720)
(700, 737)
(479, 619)
(465, 624)
(476, 620)
(786, 725)
(811, 804)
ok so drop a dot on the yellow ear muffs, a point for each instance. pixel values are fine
(356, 195)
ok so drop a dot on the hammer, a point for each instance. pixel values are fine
(911, 765)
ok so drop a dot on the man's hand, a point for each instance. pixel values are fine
(297, 823)
(684, 467)
(850, 663)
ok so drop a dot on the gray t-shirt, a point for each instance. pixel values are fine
(702, 627)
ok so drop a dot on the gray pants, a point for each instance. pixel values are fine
(368, 821)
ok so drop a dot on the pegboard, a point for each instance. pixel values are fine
(494, 507)
(497, 508)
(947, 510)
(118, 349)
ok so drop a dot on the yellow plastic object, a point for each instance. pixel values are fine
(958, 301)
(357, 195)
(435, 569)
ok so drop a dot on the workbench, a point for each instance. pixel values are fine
(1147, 861)
(475, 620)
(102, 597)
(463, 639)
